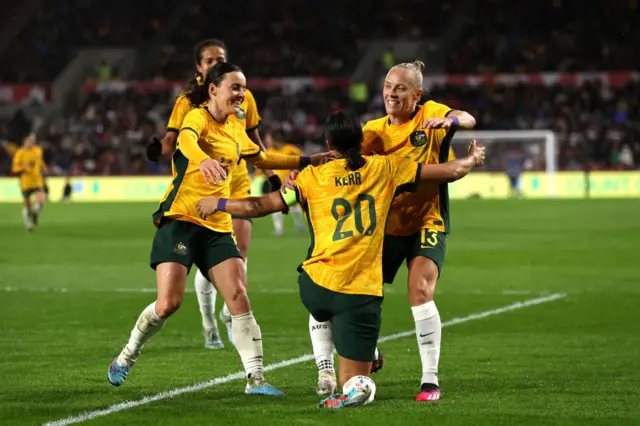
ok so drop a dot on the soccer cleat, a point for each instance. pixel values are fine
(226, 320)
(118, 373)
(358, 390)
(343, 400)
(335, 401)
(428, 392)
(212, 339)
(257, 385)
(327, 383)
(378, 363)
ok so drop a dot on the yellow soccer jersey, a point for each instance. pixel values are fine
(180, 110)
(347, 212)
(452, 155)
(29, 164)
(429, 206)
(224, 143)
(286, 149)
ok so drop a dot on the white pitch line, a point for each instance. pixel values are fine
(88, 415)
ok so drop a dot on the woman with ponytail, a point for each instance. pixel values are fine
(347, 203)
(418, 223)
(207, 54)
(209, 142)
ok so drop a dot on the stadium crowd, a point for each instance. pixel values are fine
(525, 36)
(560, 35)
(597, 126)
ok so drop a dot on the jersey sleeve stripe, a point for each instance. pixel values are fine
(172, 129)
(251, 129)
(298, 196)
(418, 171)
(189, 128)
(449, 112)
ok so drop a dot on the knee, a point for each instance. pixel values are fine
(239, 302)
(422, 289)
(166, 306)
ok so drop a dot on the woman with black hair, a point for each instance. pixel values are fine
(209, 141)
(347, 203)
(207, 53)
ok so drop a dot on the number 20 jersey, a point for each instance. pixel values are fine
(347, 213)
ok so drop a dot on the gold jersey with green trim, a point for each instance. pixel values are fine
(29, 164)
(429, 206)
(347, 213)
(226, 143)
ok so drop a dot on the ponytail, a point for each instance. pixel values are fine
(196, 92)
(354, 159)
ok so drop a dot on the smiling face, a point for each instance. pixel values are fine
(230, 94)
(401, 92)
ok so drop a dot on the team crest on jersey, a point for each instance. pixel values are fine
(418, 138)
(181, 248)
(241, 114)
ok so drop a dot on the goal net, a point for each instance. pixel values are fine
(525, 157)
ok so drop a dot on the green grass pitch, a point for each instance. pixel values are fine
(72, 290)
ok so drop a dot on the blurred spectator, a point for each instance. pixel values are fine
(555, 35)
(597, 126)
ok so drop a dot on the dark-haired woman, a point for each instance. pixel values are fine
(209, 141)
(208, 53)
(347, 202)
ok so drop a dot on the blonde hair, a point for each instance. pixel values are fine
(416, 68)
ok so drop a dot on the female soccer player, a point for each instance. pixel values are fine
(207, 54)
(347, 202)
(418, 223)
(29, 165)
(208, 142)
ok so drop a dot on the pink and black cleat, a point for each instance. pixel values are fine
(378, 363)
(428, 392)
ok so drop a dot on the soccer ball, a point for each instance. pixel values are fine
(363, 388)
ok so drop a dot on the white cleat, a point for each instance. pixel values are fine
(212, 339)
(259, 386)
(327, 383)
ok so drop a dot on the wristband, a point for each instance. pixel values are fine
(455, 122)
(222, 205)
(305, 161)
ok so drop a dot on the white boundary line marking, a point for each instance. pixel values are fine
(88, 415)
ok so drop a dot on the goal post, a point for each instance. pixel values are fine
(544, 139)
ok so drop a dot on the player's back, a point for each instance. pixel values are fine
(31, 175)
(347, 212)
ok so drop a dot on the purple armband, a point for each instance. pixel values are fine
(305, 161)
(455, 123)
(222, 205)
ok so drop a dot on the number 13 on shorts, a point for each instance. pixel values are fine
(428, 238)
